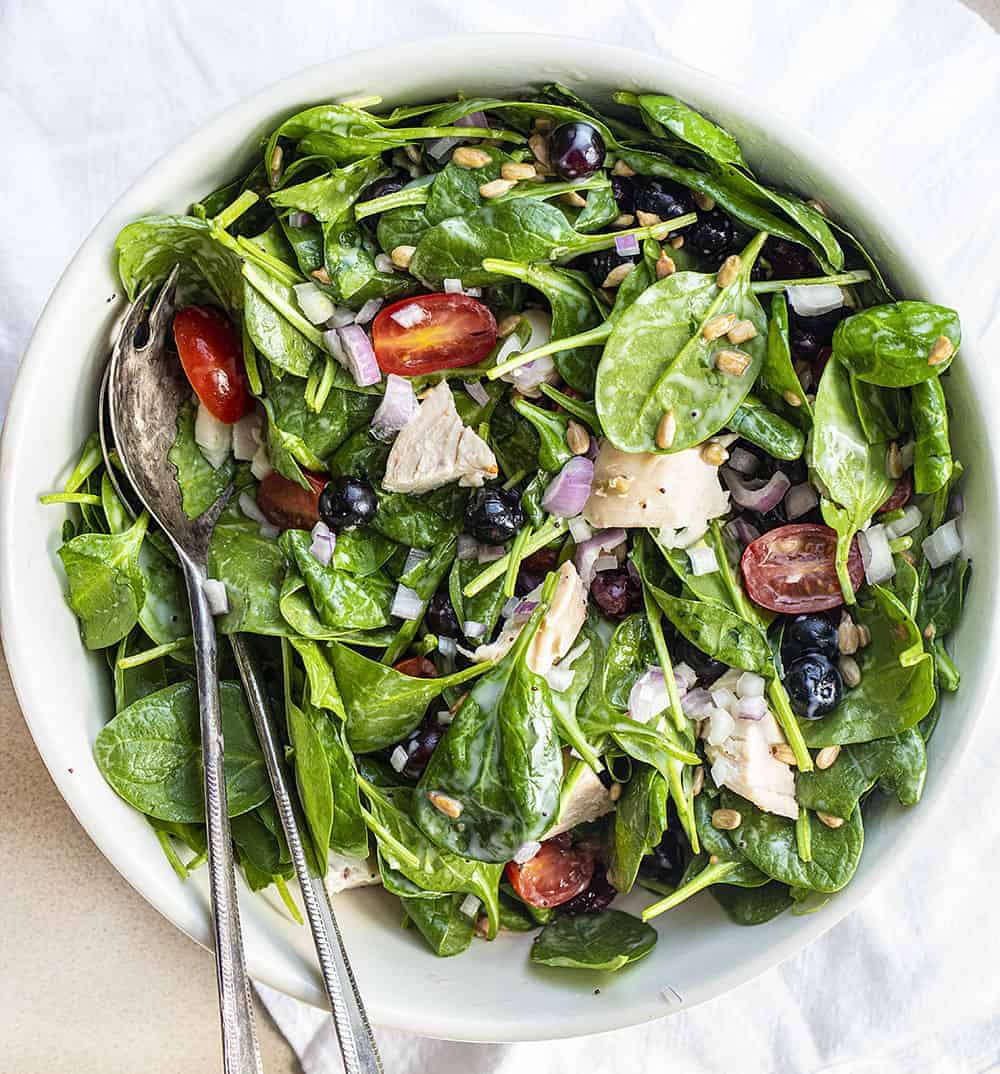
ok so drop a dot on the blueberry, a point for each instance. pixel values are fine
(494, 515)
(346, 503)
(440, 617)
(616, 592)
(788, 260)
(805, 344)
(809, 634)
(663, 197)
(707, 668)
(665, 862)
(713, 236)
(623, 189)
(576, 150)
(388, 184)
(598, 264)
(598, 896)
(421, 744)
(814, 686)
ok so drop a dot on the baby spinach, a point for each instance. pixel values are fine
(550, 425)
(938, 613)
(500, 759)
(601, 209)
(898, 764)
(879, 411)
(897, 679)
(663, 112)
(769, 842)
(753, 906)
(201, 484)
(777, 373)
(252, 568)
(150, 753)
(348, 832)
(134, 683)
(384, 705)
(281, 343)
(657, 360)
(605, 941)
(638, 825)
(442, 924)
(761, 426)
(323, 692)
(402, 227)
(423, 579)
(932, 461)
(890, 345)
(312, 775)
(106, 589)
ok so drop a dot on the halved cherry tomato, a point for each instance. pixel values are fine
(792, 569)
(288, 505)
(445, 332)
(417, 666)
(556, 874)
(212, 357)
(900, 495)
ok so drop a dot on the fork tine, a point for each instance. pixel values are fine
(131, 322)
(163, 307)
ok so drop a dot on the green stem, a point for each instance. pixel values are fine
(232, 212)
(551, 190)
(171, 855)
(711, 874)
(548, 531)
(589, 243)
(325, 385)
(414, 134)
(90, 459)
(411, 195)
(148, 655)
(371, 100)
(250, 361)
(901, 544)
(843, 279)
(387, 839)
(655, 617)
(514, 561)
(803, 835)
(513, 479)
(589, 338)
(71, 497)
(948, 674)
(586, 412)
(289, 312)
(286, 898)
(789, 724)
(271, 264)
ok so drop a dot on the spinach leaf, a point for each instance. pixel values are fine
(550, 425)
(604, 941)
(683, 122)
(897, 679)
(106, 589)
(932, 461)
(150, 753)
(898, 764)
(753, 906)
(384, 705)
(891, 345)
(441, 923)
(423, 579)
(769, 842)
(323, 692)
(878, 411)
(348, 831)
(252, 568)
(761, 426)
(455, 190)
(938, 614)
(657, 360)
(601, 209)
(500, 759)
(281, 343)
(514, 441)
(201, 484)
(638, 825)
(777, 373)
(261, 846)
(402, 227)
(312, 776)
(134, 683)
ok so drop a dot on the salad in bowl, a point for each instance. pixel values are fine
(591, 505)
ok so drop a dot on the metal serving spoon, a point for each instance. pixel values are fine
(157, 388)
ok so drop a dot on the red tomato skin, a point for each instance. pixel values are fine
(419, 667)
(288, 505)
(212, 356)
(556, 874)
(459, 331)
(900, 495)
(762, 563)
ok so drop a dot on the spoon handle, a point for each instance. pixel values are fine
(240, 1051)
(354, 1033)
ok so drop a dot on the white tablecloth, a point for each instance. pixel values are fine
(909, 93)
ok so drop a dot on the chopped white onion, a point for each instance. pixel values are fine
(409, 316)
(446, 645)
(324, 542)
(569, 490)
(907, 452)
(468, 547)
(605, 563)
(720, 726)
(588, 551)
(510, 607)
(470, 906)
(261, 466)
(703, 560)
(451, 286)
(907, 523)
(579, 529)
(697, 703)
(413, 557)
(722, 770)
(751, 708)
(383, 262)
(943, 545)
(685, 677)
(216, 595)
(368, 311)
(526, 851)
(248, 505)
(876, 554)
(743, 461)
(815, 299)
(406, 604)
(445, 717)
(749, 684)
(722, 697)
(489, 553)
(476, 391)
(800, 499)
(398, 758)
(213, 437)
(559, 679)
(473, 629)
(351, 347)
(341, 316)
(473, 292)
(399, 406)
(247, 436)
(314, 304)
(648, 697)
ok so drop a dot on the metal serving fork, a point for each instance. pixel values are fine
(141, 393)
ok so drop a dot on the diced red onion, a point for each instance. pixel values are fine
(906, 523)
(406, 604)
(468, 547)
(451, 286)
(799, 500)
(368, 311)
(510, 607)
(473, 629)
(314, 304)
(359, 358)
(297, 218)
(410, 315)
(743, 461)
(648, 696)
(876, 554)
(579, 529)
(605, 563)
(696, 703)
(247, 436)
(626, 245)
(815, 299)
(341, 316)
(399, 406)
(476, 391)
(439, 148)
(741, 531)
(526, 851)
(261, 466)
(489, 553)
(751, 708)
(588, 551)
(720, 726)
(216, 595)
(569, 490)
(943, 545)
(248, 505)
(750, 684)
(757, 495)
(473, 119)
(524, 611)
(703, 560)
(383, 262)
(722, 697)
(685, 677)
(324, 541)
(399, 758)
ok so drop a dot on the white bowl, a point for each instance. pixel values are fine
(491, 993)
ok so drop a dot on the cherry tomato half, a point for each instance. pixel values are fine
(288, 505)
(900, 495)
(444, 332)
(792, 569)
(556, 874)
(212, 357)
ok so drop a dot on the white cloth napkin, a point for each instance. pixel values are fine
(909, 93)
